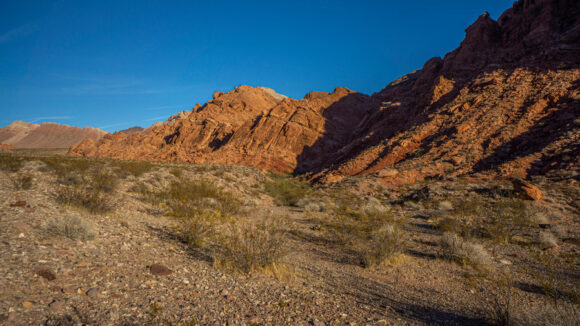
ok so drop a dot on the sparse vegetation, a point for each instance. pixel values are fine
(285, 190)
(247, 246)
(92, 192)
(71, 227)
(10, 163)
(21, 181)
(386, 242)
(454, 248)
(134, 168)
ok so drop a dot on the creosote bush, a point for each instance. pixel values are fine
(92, 192)
(71, 227)
(454, 248)
(286, 191)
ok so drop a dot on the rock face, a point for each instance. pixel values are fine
(505, 103)
(21, 134)
(251, 126)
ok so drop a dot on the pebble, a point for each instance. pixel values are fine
(46, 274)
(158, 269)
(56, 305)
(27, 304)
(92, 292)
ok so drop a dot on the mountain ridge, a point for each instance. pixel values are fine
(502, 104)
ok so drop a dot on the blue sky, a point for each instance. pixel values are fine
(117, 64)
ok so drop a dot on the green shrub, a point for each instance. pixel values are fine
(74, 228)
(286, 191)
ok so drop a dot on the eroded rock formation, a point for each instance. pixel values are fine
(505, 103)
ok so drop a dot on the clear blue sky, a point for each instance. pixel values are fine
(115, 64)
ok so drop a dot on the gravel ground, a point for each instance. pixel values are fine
(135, 271)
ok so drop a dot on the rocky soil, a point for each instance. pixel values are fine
(137, 271)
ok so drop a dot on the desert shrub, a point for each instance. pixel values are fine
(454, 248)
(198, 227)
(499, 220)
(134, 168)
(71, 227)
(21, 181)
(348, 225)
(186, 198)
(92, 192)
(66, 167)
(84, 197)
(249, 246)
(286, 191)
(10, 162)
(385, 242)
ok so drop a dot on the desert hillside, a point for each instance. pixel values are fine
(21, 134)
(505, 103)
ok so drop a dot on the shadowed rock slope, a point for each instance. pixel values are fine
(21, 134)
(505, 103)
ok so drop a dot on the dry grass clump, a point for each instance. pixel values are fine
(71, 227)
(286, 191)
(386, 242)
(455, 248)
(248, 246)
(92, 192)
(198, 227)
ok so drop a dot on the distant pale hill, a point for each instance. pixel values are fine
(22, 134)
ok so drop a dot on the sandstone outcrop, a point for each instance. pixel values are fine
(21, 134)
(505, 103)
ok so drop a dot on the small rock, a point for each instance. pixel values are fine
(45, 273)
(92, 292)
(158, 269)
(445, 205)
(56, 305)
(505, 262)
(526, 189)
(27, 304)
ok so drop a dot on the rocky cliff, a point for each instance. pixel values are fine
(505, 103)
(21, 134)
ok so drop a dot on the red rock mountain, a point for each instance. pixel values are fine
(505, 103)
(21, 134)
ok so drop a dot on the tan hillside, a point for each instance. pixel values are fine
(21, 134)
